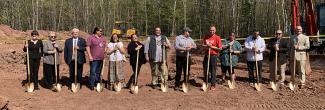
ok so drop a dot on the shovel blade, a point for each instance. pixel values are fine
(75, 87)
(274, 86)
(99, 87)
(258, 87)
(291, 86)
(231, 84)
(204, 87)
(58, 87)
(185, 87)
(163, 88)
(134, 89)
(117, 87)
(30, 87)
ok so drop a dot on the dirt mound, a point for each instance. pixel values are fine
(6, 32)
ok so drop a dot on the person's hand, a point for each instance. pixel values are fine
(91, 58)
(76, 47)
(276, 46)
(56, 46)
(209, 45)
(296, 46)
(26, 45)
(231, 51)
(138, 47)
(225, 47)
(254, 49)
(165, 44)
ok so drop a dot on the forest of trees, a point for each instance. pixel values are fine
(239, 16)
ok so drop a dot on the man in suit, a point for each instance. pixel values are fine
(79, 44)
(281, 46)
(299, 44)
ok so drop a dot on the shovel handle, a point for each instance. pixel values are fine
(75, 64)
(136, 69)
(28, 66)
(207, 74)
(187, 65)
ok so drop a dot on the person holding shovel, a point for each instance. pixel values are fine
(234, 47)
(75, 44)
(212, 44)
(116, 51)
(280, 47)
(96, 46)
(50, 48)
(255, 46)
(184, 43)
(299, 44)
(132, 49)
(154, 47)
(35, 52)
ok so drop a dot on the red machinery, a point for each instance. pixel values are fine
(311, 28)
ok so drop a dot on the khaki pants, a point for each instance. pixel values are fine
(300, 69)
(157, 72)
(281, 69)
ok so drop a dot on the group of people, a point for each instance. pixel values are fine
(154, 51)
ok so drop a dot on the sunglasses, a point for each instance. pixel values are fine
(278, 33)
(52, 36)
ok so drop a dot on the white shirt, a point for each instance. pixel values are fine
(119, 56)
(74, 41)
(260, 45)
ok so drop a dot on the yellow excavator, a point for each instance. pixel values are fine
(123, 29)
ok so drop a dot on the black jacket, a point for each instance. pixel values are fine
(133, 53)
(81, 51)
(35, 50)
(283, 50)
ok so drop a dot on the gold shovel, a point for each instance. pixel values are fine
(134, 86)
(164, 85)
(231, 83)
(117, 84)
(274, 86)
(185, 84)
(57, 86)
(100, 85)
(75, 86)
(257, 85)
(205, 84)
(29, 85)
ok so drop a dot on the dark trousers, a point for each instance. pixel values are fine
(251, 65)
(95, 70)
(181, 67)
(49, 74)
(79, 72)
(34, 66)
(226, 69)
(212, 68)
(132, 78)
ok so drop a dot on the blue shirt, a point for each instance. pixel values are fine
(183, 42)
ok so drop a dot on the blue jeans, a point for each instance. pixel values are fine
(95, 69)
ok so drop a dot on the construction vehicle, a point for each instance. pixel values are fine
(313, 26)
(123, 29)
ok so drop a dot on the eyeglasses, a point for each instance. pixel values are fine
(52, 36)
(278, 33)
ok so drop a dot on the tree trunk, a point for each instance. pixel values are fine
(174, 18)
